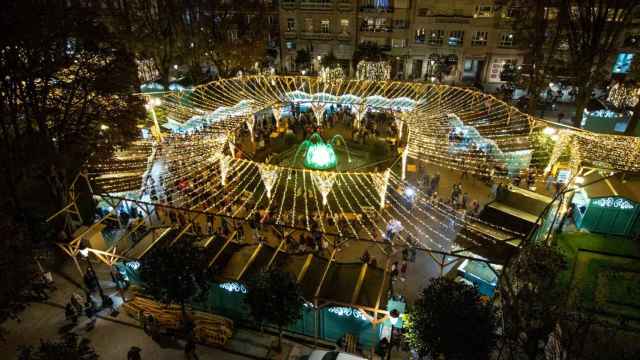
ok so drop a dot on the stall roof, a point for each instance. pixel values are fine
(612, 186)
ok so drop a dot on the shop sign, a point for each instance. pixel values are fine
(615, 203)
(347, 311)
(233, 287)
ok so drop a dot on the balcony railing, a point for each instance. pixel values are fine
(376, 29)
(371, 8)
(345, 5)
(289, 34)
(316, 5)
(316, 35)
(344, 37)
(288, 4)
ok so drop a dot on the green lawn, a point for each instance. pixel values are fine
(605, 282)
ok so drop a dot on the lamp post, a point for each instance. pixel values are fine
(150, 106)
(84, 253)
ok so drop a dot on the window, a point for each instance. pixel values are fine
(484, 11)
(232, 35)
(291, 25)
(420, 36)
(400, 24)
(456, 38)
(381, 24)
(506, 39)
(344, 26)
(291, 45)
(398, 43)
(308, 25)
(436, 37)
(479, 38)
(324, 26)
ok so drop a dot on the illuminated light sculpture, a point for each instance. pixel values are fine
(225, 163)
(405, 155)
(277, 113)
(318, 111)
(330, 75)
(269, 175)
(250, 121)
(373, 70)
(324, 182)
(381, 181)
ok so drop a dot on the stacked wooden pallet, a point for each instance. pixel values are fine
(207, 328)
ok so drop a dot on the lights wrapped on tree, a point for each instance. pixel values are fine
(370, 70)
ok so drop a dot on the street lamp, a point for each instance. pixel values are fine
(84, 253)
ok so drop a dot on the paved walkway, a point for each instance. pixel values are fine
(113, 336)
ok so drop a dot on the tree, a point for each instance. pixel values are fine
(330, 61)
(537, 32)
(176, 275)
(70, 347)
(533, 301)
(634, 82)
(593, 30)
(369, 51)
(65, 95)
(275, 297)
(449, 319)
(303, 58)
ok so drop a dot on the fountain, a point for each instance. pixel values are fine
(319, 154)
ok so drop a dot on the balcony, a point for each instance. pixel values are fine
(290, 34)
(344, 37)
(345, 5)
(312, 5)
(316, 36)
(288, 4)
(374, 9)
(376, 29)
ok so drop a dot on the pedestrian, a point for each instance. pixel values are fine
(134, 353)
(70, 313)
(403, 270)
(549, 182)
(190, 350)
(76, 303)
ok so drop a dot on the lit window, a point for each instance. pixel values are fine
(344, 25)
(398, 43)
(324, 26)
(479, 38)
(506, 39)
(436, 37)
(291, 45)
(233, 35)
(456, 38)
(420, 36)
(308, 25)
(291, 25)
(484, 11)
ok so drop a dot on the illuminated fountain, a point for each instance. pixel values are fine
(320, 155)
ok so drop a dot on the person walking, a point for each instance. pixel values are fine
(134, 353)
(190, 350)
(70, 313)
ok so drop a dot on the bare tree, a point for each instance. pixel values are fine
(593, 29)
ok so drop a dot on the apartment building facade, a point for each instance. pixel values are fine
(472, 38)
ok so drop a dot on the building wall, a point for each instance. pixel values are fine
(404, 28)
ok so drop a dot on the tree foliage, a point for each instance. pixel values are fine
(303, 58)
(275, 297)
(450, 320)
(70, 347)
(65, 94)
(176, 274)
(532, 299)
(369, 51)
(330, 60)
(593, 30)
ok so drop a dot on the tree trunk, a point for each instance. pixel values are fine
(633, 122)
(582, 98)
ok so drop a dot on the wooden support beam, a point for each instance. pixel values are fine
(304, 268)
(220, 251)
(356, 290)
(184, 230)
(208, 241)
(275, 254)
(324, 274)
(64, 209)
(164, 233)
(249, 262)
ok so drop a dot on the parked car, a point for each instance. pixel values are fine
(332, 355)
